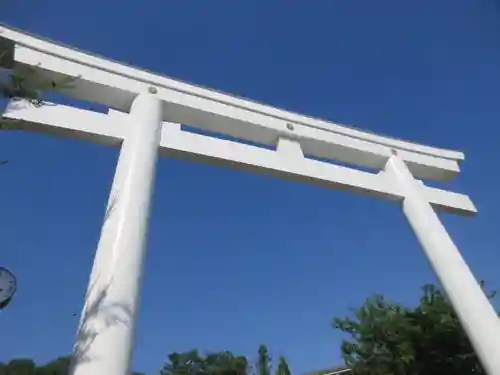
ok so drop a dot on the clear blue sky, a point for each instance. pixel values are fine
(236, 259)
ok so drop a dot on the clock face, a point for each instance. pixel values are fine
(7, 285)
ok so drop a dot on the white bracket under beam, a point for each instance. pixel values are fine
(116, 85)
(287, 162)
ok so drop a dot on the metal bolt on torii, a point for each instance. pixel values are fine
(145, 113)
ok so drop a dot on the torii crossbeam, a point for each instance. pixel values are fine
(145, 113)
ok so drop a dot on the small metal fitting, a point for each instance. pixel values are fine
(289, 126)
(153, 90)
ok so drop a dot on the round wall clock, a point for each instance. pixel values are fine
(8, 285)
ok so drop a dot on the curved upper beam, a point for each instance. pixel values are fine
(115, 85)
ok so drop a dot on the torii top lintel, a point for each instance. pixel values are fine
(115, 85)
(293, 136)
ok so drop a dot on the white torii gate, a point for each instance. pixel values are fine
(145, 113)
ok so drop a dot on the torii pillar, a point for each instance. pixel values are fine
(106, 334)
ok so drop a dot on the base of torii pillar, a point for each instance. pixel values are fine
(106, 333)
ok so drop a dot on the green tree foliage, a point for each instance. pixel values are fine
(387, 338)
(221, 363)
(283, 368)
(28, 367)
(264, 361)
(192, 363)
(59, 366)
(21, 83)
(187, 363)
(225, 363)
(21, 366)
